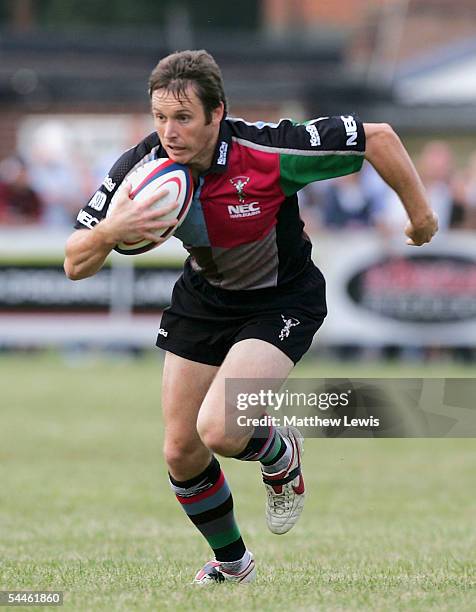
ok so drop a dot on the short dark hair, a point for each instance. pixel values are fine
(177, 71)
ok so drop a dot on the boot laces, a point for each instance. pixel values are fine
(280, 503)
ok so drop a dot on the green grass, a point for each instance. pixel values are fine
(85, 506)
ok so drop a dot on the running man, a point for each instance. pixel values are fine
(250, 299)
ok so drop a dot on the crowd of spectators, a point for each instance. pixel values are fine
(363, 200)
(49, 189)
(45, 191)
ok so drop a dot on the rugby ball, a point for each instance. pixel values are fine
(155, 175)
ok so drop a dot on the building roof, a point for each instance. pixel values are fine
(447, 76)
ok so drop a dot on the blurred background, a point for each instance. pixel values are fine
(73, 78)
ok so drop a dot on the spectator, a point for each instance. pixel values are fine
(436, 168)
(470, 193)
(344, 203)
(58, 173)
(19, 203)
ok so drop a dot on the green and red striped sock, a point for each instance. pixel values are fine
(267, 446)
(208, 503)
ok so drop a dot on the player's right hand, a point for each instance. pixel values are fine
(422, 231)
(133, 221)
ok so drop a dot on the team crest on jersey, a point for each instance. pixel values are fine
(250, 209)
(239, 183)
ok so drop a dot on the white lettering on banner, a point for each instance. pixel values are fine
(223, 150)
(315, 139)
(350, 129)
(244, 210)
(97, 201)
(86, 219)
(108, 183)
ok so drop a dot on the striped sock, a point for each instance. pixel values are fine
(267, 446)
(208, 502)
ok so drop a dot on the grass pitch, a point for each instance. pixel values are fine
(86, 507)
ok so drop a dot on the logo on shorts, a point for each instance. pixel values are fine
(288, 323)
(163, 332)
(239, 183)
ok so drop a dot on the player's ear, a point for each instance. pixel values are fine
(218, 113)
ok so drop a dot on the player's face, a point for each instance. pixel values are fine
(183, 130)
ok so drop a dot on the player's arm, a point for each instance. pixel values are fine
(386, 153)
(87, 249)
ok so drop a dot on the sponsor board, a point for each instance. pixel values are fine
(44, 287)
(425, 289)
(385, 292)
(379, 291)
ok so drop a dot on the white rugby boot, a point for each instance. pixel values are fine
(213, 572)
(285, 490)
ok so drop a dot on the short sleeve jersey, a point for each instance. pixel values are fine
(243, 230)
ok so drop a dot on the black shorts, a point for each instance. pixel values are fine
(203, 322)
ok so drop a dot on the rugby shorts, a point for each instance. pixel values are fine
(203, 322)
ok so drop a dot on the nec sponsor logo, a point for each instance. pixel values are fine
(86, 219)
(244, 210)
(109, 184)
(97, 201)
(315, 139)
(350, 129)
(221, 161)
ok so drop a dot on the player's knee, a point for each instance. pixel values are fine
(215, 438)
(178, 454)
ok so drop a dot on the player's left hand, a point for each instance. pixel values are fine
(423, 231)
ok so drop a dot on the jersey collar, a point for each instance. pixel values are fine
(222, 150)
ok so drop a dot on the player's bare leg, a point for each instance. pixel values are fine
(184, 386)
(249, 360)
(279, 450)
(195, 475)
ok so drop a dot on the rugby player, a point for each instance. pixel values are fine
(250, 299)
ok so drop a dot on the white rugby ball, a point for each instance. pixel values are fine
(155, 175)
